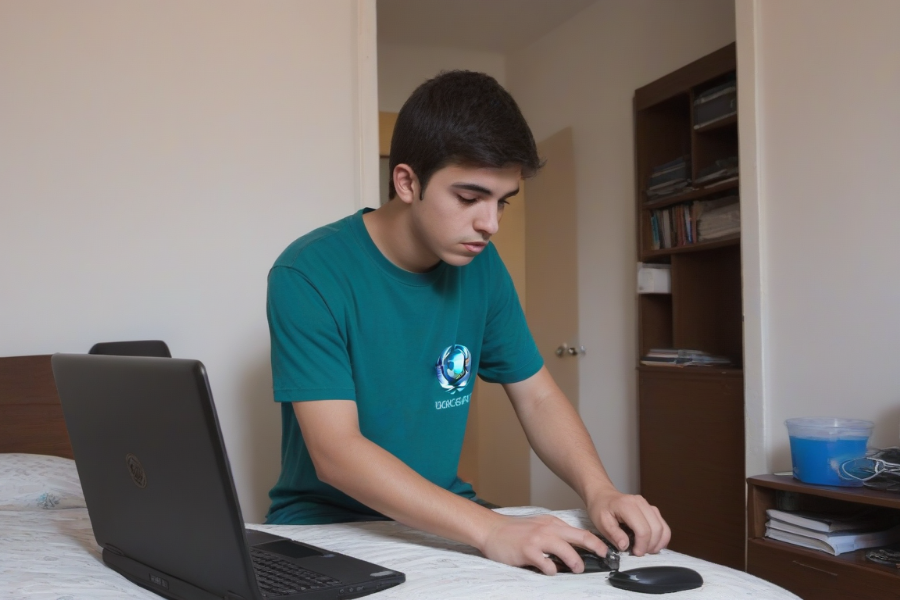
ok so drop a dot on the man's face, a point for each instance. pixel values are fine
(460, 211)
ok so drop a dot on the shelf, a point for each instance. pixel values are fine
(726, 122)
(857, 557)
(858, 495)
(822, 560)
(692, 195)
(731, 240)
(811, 574)
(693, 486)
(692, 370)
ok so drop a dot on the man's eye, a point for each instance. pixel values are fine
(467, 200)
(502, 203)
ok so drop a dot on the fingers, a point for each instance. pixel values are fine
(609, 525)
(544, 564)
(656, 524)
(666, 536)
(526, 541)
(651, 532)
(654, 533)
(565, 547)
(558, 541)
(583, 538)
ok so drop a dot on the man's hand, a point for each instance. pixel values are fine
(524, 541)
(651, 533)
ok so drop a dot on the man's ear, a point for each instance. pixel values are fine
(406, 184)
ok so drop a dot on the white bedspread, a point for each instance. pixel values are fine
(48, 552)
(52, 555)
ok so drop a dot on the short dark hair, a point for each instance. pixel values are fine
(461, 117)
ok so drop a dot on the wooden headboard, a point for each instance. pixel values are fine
(31, 418)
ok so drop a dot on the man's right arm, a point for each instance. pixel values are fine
(345, 459)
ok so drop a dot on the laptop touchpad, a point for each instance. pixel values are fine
(289, 549)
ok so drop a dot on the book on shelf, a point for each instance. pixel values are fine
(715, 104)
(670, 188)
(673, 195)
(833, 543)
(681, 357)
(680, 163)
(714, 120)
(832, 523)
(692, 222)
(720, 169)
(719, 221)
(660, 178)
(669, 178)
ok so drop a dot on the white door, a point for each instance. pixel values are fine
(551, 275)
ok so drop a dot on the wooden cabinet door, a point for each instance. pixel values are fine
(691, 427)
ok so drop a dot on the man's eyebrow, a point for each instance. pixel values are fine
(474, 187)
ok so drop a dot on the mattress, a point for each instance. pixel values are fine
(48, 552)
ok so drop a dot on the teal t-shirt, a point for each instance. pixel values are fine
(347, 324)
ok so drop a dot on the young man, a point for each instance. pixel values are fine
(380, 322)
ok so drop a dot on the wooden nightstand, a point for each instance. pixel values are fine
(810, 574)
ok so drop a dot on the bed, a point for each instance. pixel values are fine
(48, 552)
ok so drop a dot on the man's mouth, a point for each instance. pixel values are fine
(474, 247)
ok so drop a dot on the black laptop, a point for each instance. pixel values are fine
(160, 495)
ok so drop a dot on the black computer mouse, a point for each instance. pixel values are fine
(656, 580)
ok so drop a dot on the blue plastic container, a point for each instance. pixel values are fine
(820, 444)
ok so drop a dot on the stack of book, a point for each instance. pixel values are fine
(692, 222)
(834, 534)
(722, 170)
(719, 218)
(669, 178)
(674, 357)
(715, 104)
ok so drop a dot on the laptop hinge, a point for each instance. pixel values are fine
(113, 549)
(156, 581)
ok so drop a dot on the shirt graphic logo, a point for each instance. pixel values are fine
(454, 367)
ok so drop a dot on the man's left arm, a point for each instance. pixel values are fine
(559, 437)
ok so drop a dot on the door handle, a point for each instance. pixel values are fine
(566, 349)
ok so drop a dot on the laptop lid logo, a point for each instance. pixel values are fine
(136, 470)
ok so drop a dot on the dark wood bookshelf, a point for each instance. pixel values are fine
(811, 574)
(692, 370)
(723, 122)
(698, 410)
(730, 240)
(698, 194)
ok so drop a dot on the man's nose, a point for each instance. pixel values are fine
(488, 221)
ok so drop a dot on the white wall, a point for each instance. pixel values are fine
(402, 67)
(827, 139)
(583, 75)
(155, 158)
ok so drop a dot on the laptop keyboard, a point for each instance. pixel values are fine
(280, 577)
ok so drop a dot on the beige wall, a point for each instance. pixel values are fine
(156, 157)
(822, 301)
(401, 68)
(583, 75)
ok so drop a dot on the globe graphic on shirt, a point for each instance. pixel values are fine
(454, 367)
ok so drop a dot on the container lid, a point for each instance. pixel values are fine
(829, 427)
